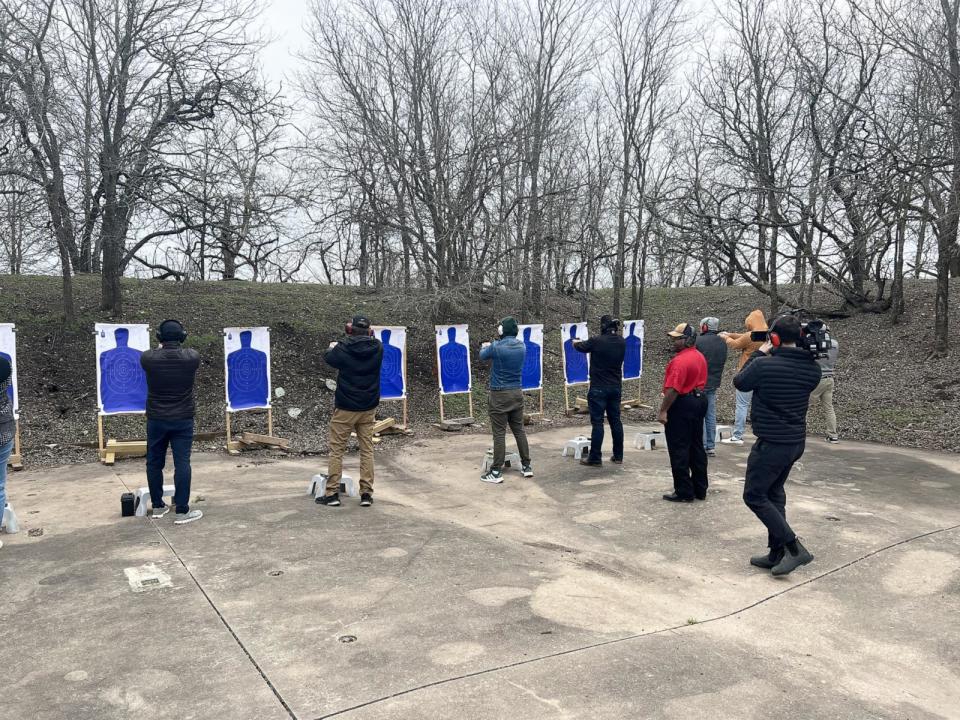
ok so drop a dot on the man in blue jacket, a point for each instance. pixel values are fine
(781, 377)
(506, 397)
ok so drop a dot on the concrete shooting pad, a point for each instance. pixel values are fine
(576, 594)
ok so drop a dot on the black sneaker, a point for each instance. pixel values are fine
(673, 497)
(769, 560)
(366, 500)
(329, 500)
(792, 560)
(527, 470)
(591, 463)
(492, 476)
(616, 460)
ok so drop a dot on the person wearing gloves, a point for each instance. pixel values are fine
(505, 404)
(741, 341)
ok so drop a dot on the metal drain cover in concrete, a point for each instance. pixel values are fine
(147, 577)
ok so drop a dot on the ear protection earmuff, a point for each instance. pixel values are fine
(704, 328)
(775, 339)
(180, 336)
(367, 331)
(500, 330)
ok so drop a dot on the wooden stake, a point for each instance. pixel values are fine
(15, 460)
(100, 446)
(270, 421)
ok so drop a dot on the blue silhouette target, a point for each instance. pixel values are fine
(453, 358)
(8, 351)
(121, 382)
(247, 353)
(393, 380)
(576, 365)
(532, 374)
(633, 358)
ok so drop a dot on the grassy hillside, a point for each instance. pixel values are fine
(886, 390)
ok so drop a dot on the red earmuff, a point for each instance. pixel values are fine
(703, 328)
(775, 339)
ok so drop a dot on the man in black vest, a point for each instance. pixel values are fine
(171, 371)
(781, 376)
(714, 349)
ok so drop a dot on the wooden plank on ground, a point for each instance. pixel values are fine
(447, 426)
(127, 447)
(381, 425)
(15, 462)
(250, 438)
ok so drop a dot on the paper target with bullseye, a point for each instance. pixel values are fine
(121, 382)
(246, 352)
(453, 358)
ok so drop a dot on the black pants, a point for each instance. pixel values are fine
(602, 400)
(684, 434)
(178, 436)
(767, 471)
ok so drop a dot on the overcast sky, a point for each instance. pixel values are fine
(284, 22)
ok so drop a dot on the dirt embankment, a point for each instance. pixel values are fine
(887, 389)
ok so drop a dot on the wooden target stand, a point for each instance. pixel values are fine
(579, 404)
(15, 461)
(110, 449)
(530, 417)
(250, 440)
(455, 423)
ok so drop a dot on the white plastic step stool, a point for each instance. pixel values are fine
(318, 486)
(724, 430)
(511, 459)
(580, 446)
(142, 499)
(649, 440)
(9, 521)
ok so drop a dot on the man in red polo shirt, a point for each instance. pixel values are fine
(682, 411)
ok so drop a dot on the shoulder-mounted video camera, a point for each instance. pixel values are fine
(814, 334)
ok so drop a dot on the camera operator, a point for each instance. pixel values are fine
(506, 398)
(823, 393)
(358, 357)
(781, 377)
(682, 411)
(171, 371)
(607, 351)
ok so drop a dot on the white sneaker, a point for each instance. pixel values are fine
(732, 441)
(184, 518)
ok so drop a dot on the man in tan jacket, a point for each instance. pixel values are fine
(746, 346)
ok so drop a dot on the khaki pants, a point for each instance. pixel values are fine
(506, 408)
(342, 424)
(824, 394)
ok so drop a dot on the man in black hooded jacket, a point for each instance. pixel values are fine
(781, 376)
(358, 357)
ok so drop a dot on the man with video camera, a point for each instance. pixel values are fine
(358, 357)
(781, 374)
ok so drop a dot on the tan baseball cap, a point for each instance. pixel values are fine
(681, 330)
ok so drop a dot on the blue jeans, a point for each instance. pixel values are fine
(710, 420)
(743, 406)
(605, 400)
(5, 451)
(178, 436)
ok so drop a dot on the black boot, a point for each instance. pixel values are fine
(769, 560)
(795, 556)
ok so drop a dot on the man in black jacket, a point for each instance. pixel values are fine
(781, 376)
(606, 387)
(171, 371)
(358, 357)
(714, 349)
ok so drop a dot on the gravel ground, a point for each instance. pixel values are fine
(888, 388)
